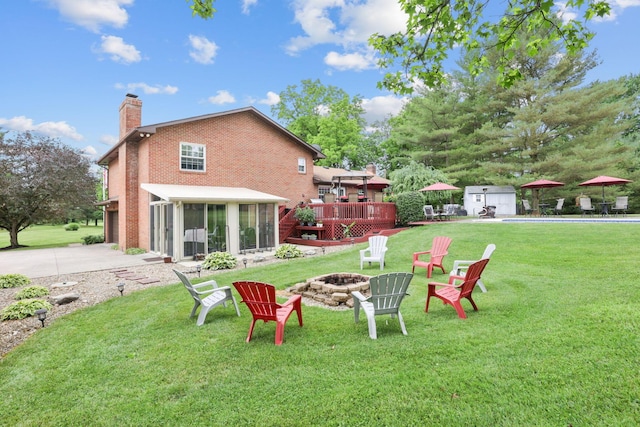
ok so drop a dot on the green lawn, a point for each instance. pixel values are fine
(49, 236)
(556, 342)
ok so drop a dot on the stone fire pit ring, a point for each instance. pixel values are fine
(334, 289)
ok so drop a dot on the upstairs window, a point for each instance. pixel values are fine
(302, 165)
(192, 157)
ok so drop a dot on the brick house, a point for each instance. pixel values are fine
(208, 183)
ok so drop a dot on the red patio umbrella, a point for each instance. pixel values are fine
(540, 184)
(439, 186)
(604, 180)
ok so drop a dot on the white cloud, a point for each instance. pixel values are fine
(203, 50)
(246, 5)
(50, 129)
(119, 50)
(109, 140)
(382, 107)
(343, 22)
(349, 61)
(222, 97)
(93, 14)
(148, 89)
(90, 151)
(271, 99)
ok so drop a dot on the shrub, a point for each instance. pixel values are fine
(288, 251)
(22, 309)
(13, 280)
(91, 240)
(409, 207)
(72, 226)
(219, 261)
(32, 292)
(135, 251)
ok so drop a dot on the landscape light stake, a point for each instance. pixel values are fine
(120, 287)
(42, 315)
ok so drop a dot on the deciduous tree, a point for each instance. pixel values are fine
(435, 27)
(40, 179)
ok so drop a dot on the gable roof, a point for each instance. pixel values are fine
(135, 135)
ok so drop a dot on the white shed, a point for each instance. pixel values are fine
(502, 197)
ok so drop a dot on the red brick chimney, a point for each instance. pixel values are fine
(130, 114)
(371, 168)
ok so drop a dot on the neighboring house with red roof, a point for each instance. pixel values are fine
(208, 183)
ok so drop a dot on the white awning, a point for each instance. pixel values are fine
(201, 194)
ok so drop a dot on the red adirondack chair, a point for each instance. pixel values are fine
(453, 294)
(439, 249)
(261, 301)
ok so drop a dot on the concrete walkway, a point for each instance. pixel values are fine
(82, 258)
(72, 259)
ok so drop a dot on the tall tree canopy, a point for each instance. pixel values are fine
(328, 117)
(434, 27)
(546, 125)
(40, 179)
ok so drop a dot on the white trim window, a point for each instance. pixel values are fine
(192, 157)
(302, 165)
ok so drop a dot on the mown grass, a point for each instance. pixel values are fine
(556, 342)
(49, 236)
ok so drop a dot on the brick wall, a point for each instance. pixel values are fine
(242, 150)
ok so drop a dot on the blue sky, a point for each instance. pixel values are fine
(67, 64)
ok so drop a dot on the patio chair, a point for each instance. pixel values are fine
(376, 250)
(460, 267)
(387, 292)
(329, 198)
(439, 249)
(453, 294)
(622, 204)
(558, 209)
(448, 211)
(428, 212)
(527, 207)
(585, 206)
(208, 295)
(260, 298)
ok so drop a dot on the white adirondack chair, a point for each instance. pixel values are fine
(387, 293)
(217, 296)
(375, 252)
(460, 267)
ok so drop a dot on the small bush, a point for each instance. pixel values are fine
(288, 251)
(409, 207)
(72, 226)
(219, 261)
(32, 292)
(115, 247)
(22, 309)
(135, 251)
(92, 240)
(13, 280)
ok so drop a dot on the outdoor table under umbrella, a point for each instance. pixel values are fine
(440, 186)
(541, 184)
(603, 181)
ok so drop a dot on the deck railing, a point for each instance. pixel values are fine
(366, 217)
